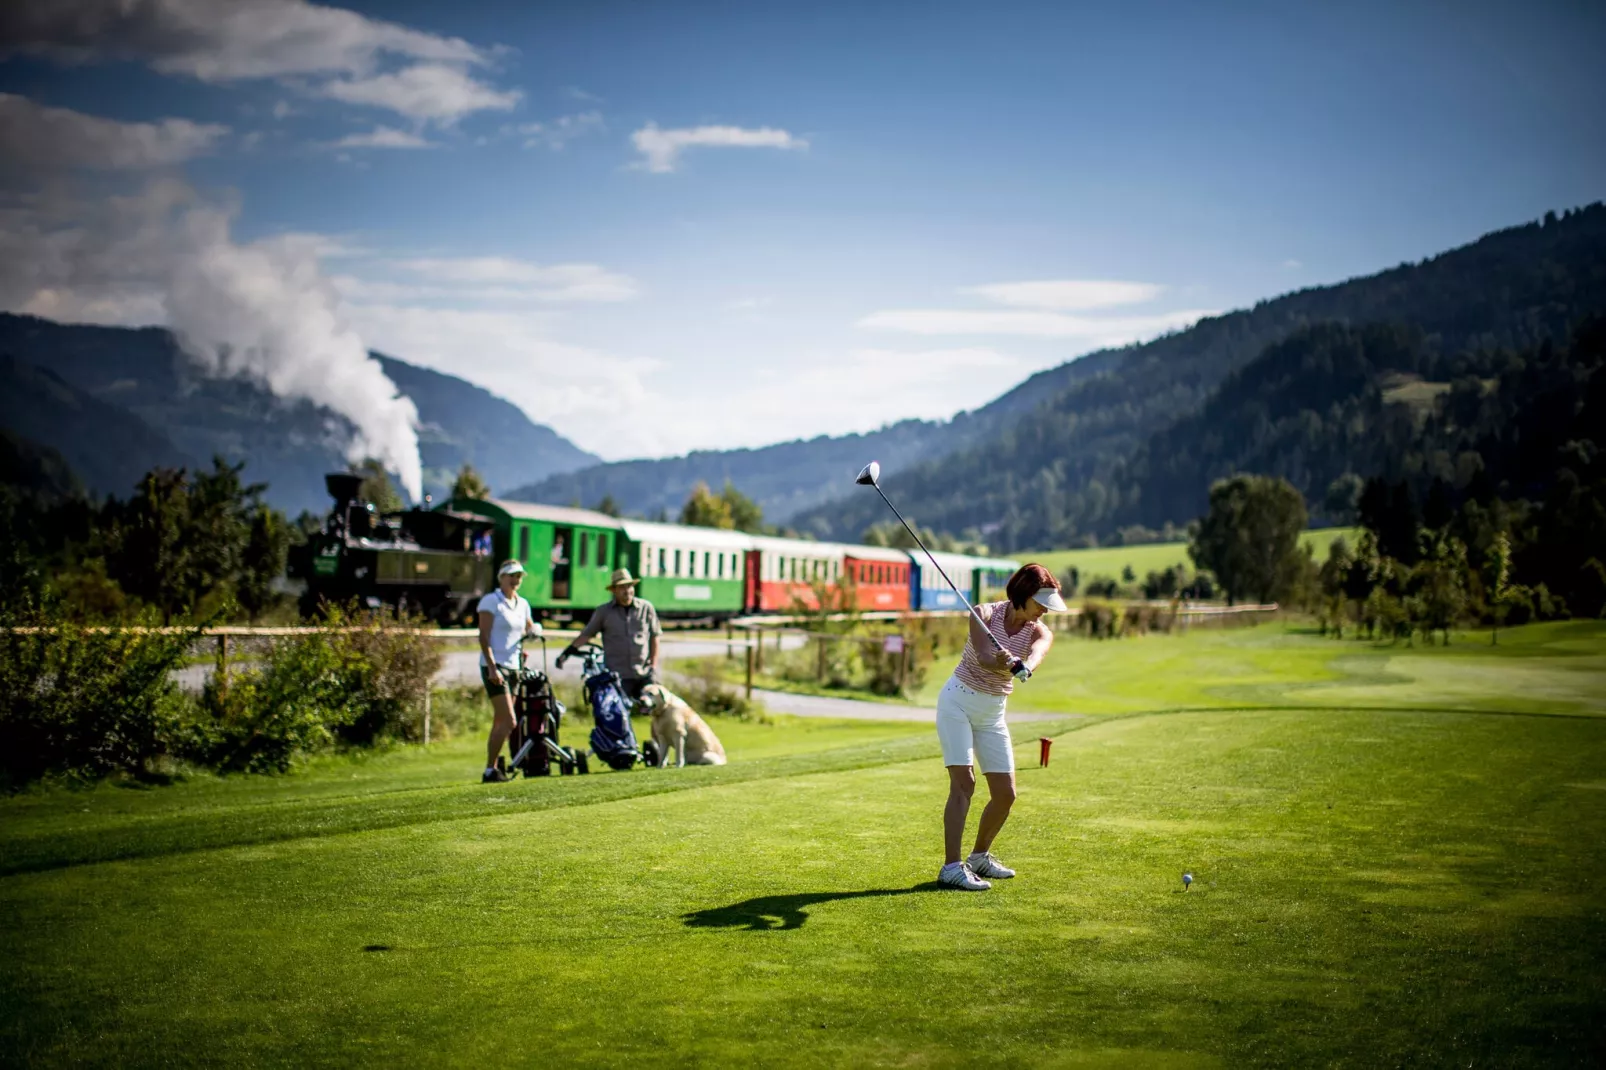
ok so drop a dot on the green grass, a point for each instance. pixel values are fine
(1398, 856)
(1153, 557)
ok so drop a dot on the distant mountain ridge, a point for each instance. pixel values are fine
(140, 378)
(1049, 475)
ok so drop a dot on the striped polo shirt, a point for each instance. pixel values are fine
(984, 678)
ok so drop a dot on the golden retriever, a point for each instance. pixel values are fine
(676, 725)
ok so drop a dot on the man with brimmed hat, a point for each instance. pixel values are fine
(505, 620)
(630, 631)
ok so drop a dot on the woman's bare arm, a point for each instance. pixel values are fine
(1039, 650)
(981, 641)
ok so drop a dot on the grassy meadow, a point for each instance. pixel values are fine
(1398, 856)
(1109, 561)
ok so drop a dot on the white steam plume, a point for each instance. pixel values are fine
(261, 311)
(264, 312)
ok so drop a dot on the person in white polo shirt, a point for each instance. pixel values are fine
(504, 622)
(970, 720)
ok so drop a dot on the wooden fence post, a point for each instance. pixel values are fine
(756, 637)
(749, 672)
(223, 664)
(730, 651)
(426, 713)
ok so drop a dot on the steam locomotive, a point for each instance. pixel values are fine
(432, 562)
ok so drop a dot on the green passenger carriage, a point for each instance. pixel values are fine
(568, 554)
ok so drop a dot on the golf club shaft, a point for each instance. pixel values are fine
(974, 615)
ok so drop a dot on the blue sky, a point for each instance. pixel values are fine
(922, 205)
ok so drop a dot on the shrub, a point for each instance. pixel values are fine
(87, 702)
(702, 684)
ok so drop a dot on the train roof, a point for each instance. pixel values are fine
(685, 535)
(555, 514)
(877, 553)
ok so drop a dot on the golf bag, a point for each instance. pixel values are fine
(536, 716)
(612, 738)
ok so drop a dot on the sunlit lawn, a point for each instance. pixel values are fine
(1109, 561)
(1397, 856)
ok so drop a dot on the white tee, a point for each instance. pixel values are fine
(508, 621)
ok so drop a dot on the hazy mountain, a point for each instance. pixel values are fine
(1051, 474)
(142, 374)
(782, 479)
(51, 423)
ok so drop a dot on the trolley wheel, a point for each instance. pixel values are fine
(565, 766)
(649, 753)
(582, 763)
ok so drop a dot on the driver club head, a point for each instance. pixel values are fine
(869, 475)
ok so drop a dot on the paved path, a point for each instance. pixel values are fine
(463, 666)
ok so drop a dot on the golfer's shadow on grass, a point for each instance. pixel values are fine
(785, 911)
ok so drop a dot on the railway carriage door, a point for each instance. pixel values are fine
(562, 539)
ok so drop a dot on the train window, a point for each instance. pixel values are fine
(524, 543)
(662, 554)
(585, 547)
(602, 551)
(677, 562)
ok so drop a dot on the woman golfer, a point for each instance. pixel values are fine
(970, 718)
(505, 620)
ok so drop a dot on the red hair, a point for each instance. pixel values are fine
(1027, 581)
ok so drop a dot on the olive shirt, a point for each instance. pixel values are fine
(627, 635)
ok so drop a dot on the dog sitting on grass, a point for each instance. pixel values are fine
(676, 725)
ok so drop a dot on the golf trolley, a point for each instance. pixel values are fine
(537, 714)
(612, 738)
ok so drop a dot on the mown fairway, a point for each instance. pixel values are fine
(1108, 561)
(1398, 853)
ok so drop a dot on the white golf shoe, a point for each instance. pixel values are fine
(958, 875)
(983, 864)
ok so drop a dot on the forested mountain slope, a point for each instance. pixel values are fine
(51, 423)
(142, 374)
(1056, 473)
(782, 479)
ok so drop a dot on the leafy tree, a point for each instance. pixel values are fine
(470, 484)
(378, 488)
(1250, 537)
(1343, 497)
(149, 549)
(608, 507)
(705, 509)
(745, 512)
(262, 560)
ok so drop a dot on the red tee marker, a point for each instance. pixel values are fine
(1042, 754)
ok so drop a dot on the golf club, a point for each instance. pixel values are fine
(870, 476)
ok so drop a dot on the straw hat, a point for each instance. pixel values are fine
(622, 578)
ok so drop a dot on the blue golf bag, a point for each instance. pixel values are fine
(612, 738)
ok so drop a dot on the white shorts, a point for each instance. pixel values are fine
(966, 719)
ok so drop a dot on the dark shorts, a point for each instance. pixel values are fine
(632, 687)
(494, 684)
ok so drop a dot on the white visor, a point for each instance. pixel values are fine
(510, 569)
(1050, 599)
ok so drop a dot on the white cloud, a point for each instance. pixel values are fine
(594, 398)
(556, 133)
(1095, 330)
(1292, 265)
(383, 137)
(36, 139)
(661, 149)
(343, 53)
(1067, 295)
(521, 279)
(426, 91)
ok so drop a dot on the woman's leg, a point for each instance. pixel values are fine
(961, 786)
(1001, 791)
(501, 726)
